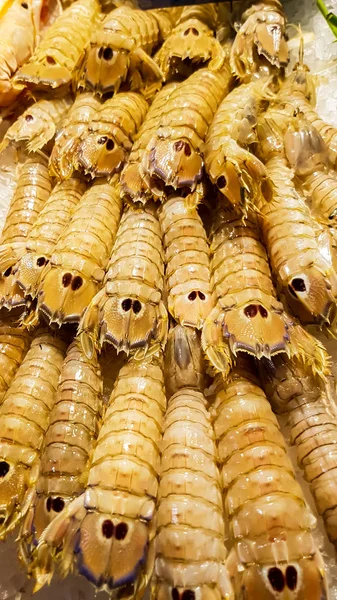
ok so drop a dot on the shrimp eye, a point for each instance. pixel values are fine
(201, 295)
(110, 145)
(175, 594)
(187, 149)
(8, 272)
(188, 595)
(107, 53)
(192, 296)
(4, 468)
(126, 304)
(24, 4)
(100, 52)
(76, 283)
(178, 146)
(66, 279)
(107, 529)
(48, 504)
(29, 118)
(251, 311)
(136, 307)
(41, 261)
(263, 312)
(276, 579)
(50, 60)
(291, 577)
(121, 531)
(58, 504)
(221, 182)
(298, 284)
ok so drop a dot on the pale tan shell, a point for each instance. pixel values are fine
(108, 141)
(187, 258)
(24, 417)
(174, 153)
(184, 360)
(121, 492)
(69, 136)
(229, 163)
(262, 32)
(14, 345)
(273, 550)
(190, 549)
(77, 266)
(38, 124)
(18, 36)
(247, 316)
(73, 427)
(40, 243)
(53, 63)
(119, 51)
(293, 390)
(32, 192)
(129, 312)
(133, 187)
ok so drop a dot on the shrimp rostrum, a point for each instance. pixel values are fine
(192, 42)
(273, 553)
(247, 316)
(120, 50)
(129, 312)
(107, 532)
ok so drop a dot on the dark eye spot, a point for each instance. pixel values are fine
(178, 146)
(187, 149)
(175, 594)
(107, 529)
(298, 284)
(221, 183)
(201, 295)
(194, 31)
(41, 261)
(121, 531)
(76, 283)
(48, 504)
(188, 595)
(251, 310)
(4, 468)
(136, 307)
(110, 145)
(100, 52)
(276, 579)
(107, 53)
(29, 118)
(126, 304)
(291, 577)
(263, 312)
(192, 296)
(66, 279)
(50, 60)
(102, 139)
(24, 4)
(58, 504)
(8, 272)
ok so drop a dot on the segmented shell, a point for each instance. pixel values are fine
(118, 51)
(248, 317)
(231, 166)
(40, 243)
(74, 126)
(73, 427)
(115, 516)
(77, 266)
(189, 545)
(190, 297)
(38, 124)
(54, 60)
(133, 187)
(184, 360)
(108, 141)
(129, 312)
(173, 155)
(293, 390)
(24, 416)
(273, 551)
(262, 32)
(14, 345)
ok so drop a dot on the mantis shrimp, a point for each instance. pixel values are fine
(129, 311)
(109, 529)
(24, 416)
(14, 345)
(273, 553)
(189, 546)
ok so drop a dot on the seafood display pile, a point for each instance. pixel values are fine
(170, 244)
